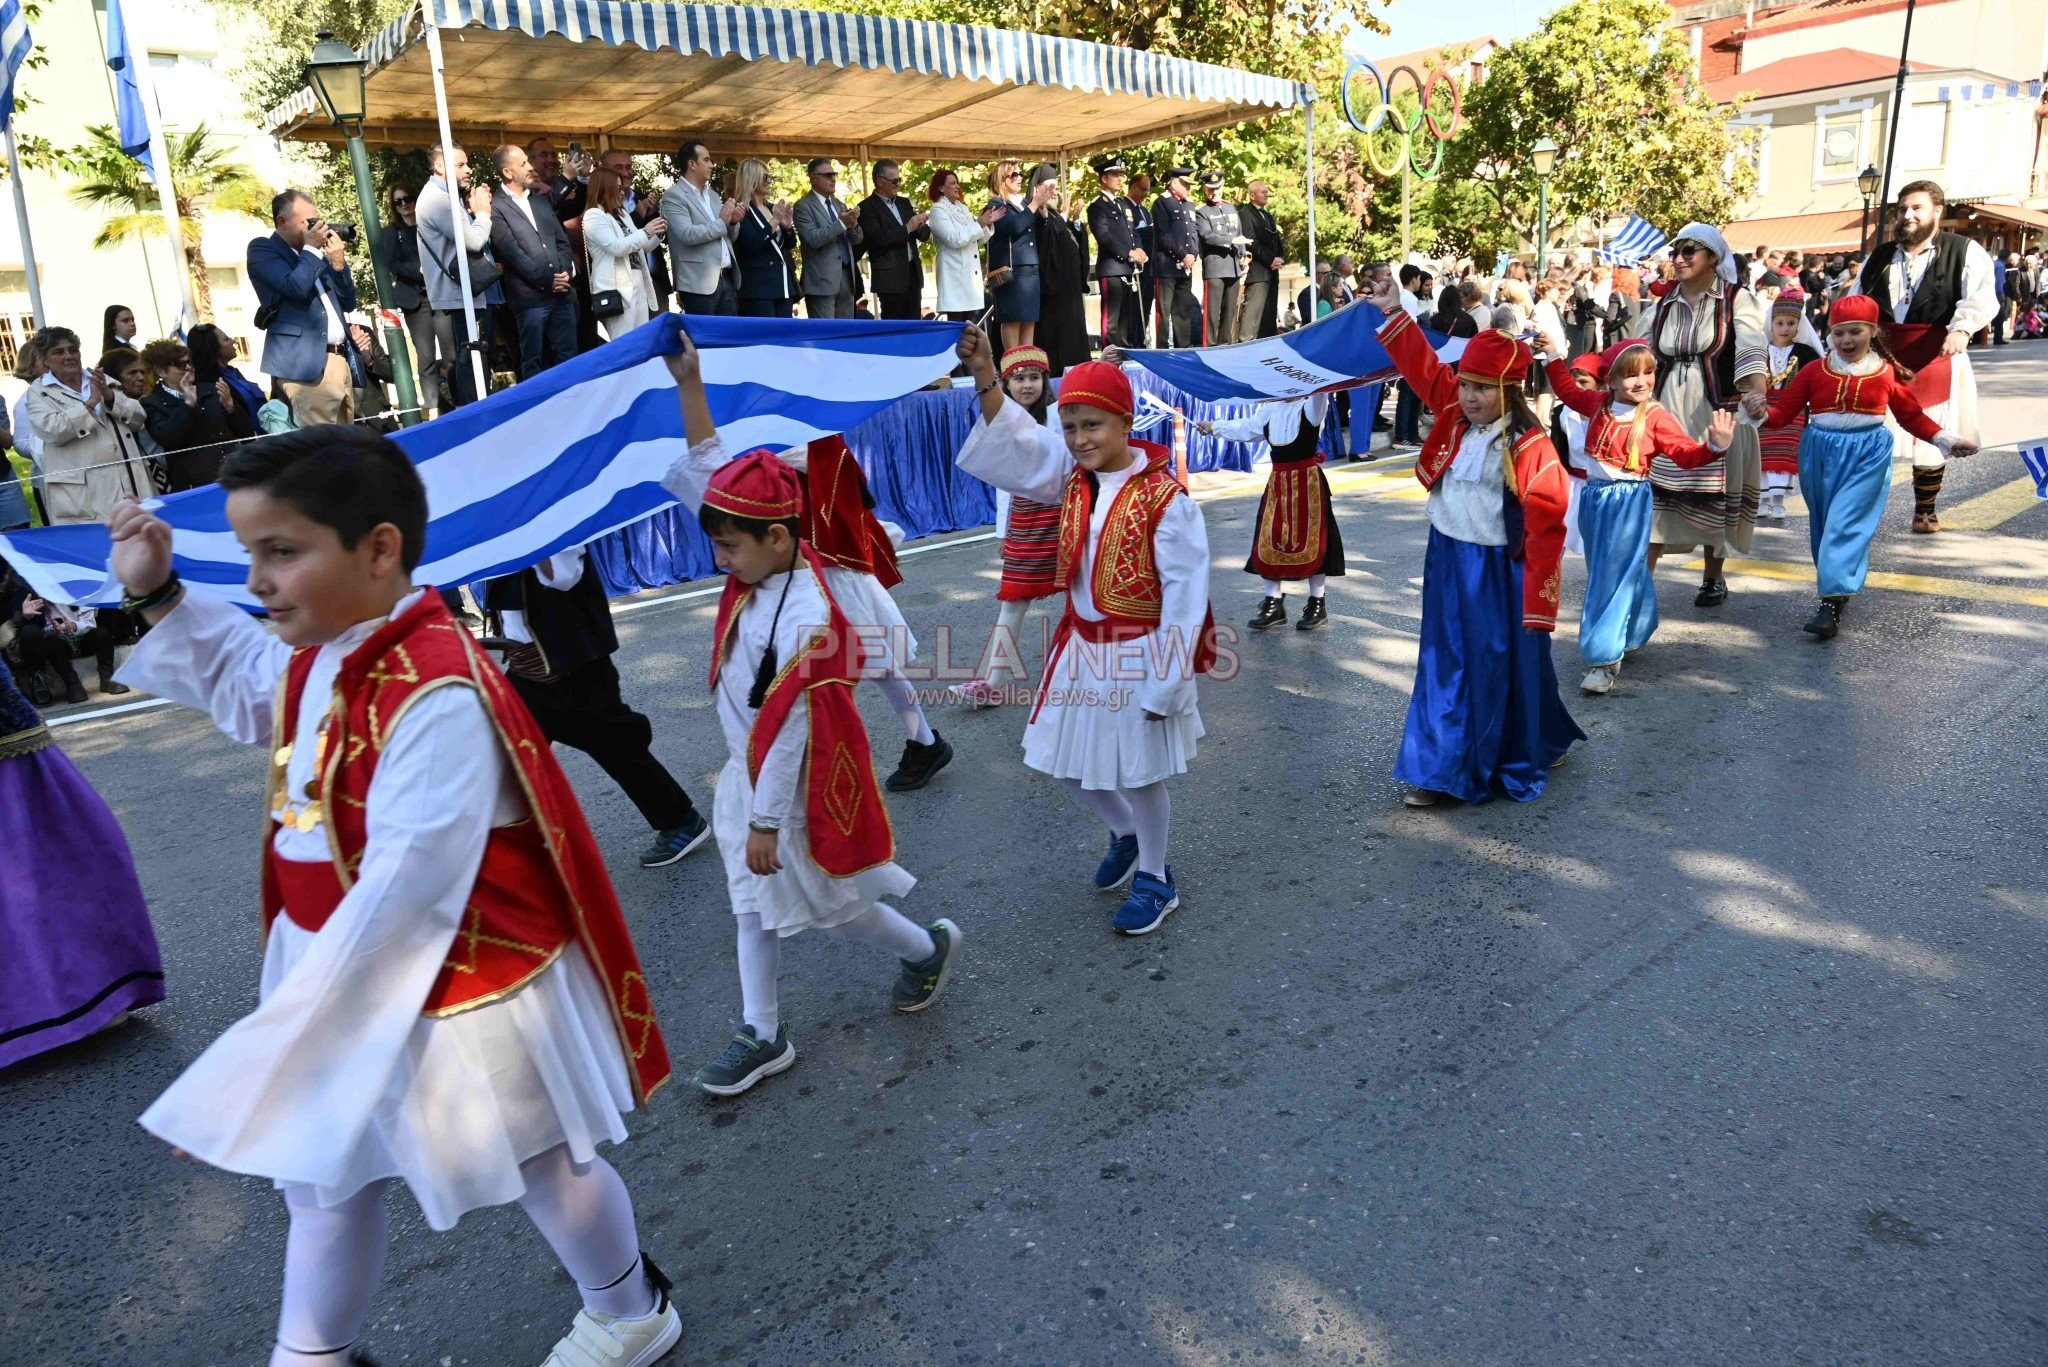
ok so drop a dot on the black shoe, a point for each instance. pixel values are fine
(745, 1062)
(919, 985)
(920, 763)
(1713, 593)
(1826, 620)
(74, 691)
(110, 689)
(671, 845)
(1314, 615)
(1272, 613)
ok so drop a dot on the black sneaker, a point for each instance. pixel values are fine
(1313, 616)
(671, 845)
(745, 1062)
(1272, 613)
(920, 764)
(919, 984)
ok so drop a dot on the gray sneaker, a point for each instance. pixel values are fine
(919, 984)
(745, 1062)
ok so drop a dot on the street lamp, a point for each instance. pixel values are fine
(1866, 183)
(336, 74)
(1544, 155)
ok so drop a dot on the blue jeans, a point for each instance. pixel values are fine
(547, 334)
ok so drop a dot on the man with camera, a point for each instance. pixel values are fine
(303, 287)
(436, 221)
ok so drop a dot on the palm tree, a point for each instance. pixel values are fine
(202, 174)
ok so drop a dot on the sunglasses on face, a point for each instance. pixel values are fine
(402, 201)
(1687, 249)
(826, 175)
(1013, 175)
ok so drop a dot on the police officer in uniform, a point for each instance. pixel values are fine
(1179, 261)
(1217, 224)
(1262, 274)
(1119, 259)
(1137, 194)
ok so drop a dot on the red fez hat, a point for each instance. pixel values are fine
(1493, 357)
(758, 486)
(1025, 358)
(1589, 363)
(1853, 308)
(1097, 384)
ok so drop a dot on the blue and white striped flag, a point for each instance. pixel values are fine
(562, 459)
(1636, 240)
(1338, 351)
(2034, 454)
(15, 45)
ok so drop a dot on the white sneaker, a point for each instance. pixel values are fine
(1599, 679)
(596, 1340)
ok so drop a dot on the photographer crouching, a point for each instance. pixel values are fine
(303, 289)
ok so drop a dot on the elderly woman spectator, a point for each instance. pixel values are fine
(618, 255)
(87, 427)
(190, 421)
(764, 243)
(958, 235)
(124, 370)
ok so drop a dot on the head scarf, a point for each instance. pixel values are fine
(1711, 239)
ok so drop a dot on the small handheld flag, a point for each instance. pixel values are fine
(2034, 454)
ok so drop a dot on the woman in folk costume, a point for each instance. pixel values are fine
(1845, 456)
(1627, 430)
(76, 949)
(800, 821)
(1793, 345)
(1116, 712)
(1030, 532)
(1707, 333)
(450, 996)
(1296, 527)
(1485, 719)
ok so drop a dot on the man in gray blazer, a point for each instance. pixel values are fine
(830, 232)
(437, 264)
(700, 228)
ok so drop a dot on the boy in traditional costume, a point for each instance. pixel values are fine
(798, 814)
(1116, 712)
(450, 995)
(1296, 527)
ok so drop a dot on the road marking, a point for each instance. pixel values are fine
(1933, 585)
(1985, 511)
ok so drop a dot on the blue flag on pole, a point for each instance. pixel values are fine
(2034, 454)
(15, 45)
(1339, 351)
(129, 114)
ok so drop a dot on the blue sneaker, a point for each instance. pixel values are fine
(1148, 906)
(1116, 867)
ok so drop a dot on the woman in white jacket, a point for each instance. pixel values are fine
(959, 235)
(618, 252)
(89, 430)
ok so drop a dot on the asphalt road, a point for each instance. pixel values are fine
(1725, 1051)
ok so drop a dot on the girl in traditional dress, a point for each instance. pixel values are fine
(1296, 528)
(1790, 352)
(1116, 713)
(1485, 719)
(1845, 456)
(1030, 532)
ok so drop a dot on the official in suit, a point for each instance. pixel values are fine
(831, 234)
(1013, 251)
(1179, 262)
(1268, 254)
(436, 218)
(534, 249)
(303, 284)
(766, 246)
(1139, 193)
(701, 225)
(1113, 222)
(891, 234)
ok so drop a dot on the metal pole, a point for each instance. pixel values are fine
(1407, 238)
(458, 216)
(28, 246)
(1308, 180)
(1542, 226)
(1898, 106)
(1863, 233)
(395, 344)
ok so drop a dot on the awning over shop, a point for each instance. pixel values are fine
(2032, 219)
(778, 82)
(1840, 230)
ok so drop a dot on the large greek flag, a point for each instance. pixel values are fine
(562, 459)
(1335, 352)
(15, 45)
(1636, 240)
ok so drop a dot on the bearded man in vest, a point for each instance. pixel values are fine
(1934, 292)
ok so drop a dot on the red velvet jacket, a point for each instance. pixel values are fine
(1820, 388)
(1628, 445)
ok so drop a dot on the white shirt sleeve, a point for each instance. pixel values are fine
(316, 1057)
(1979, 304)
(1180, 551)
(691, 474)
(1251, 427)
(214, 657)
(1014, 453)
(563, 570)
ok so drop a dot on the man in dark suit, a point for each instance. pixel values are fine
(303, 285)
(568, 190)
(1139, 193)
(1179, 262)
(891, 234)
(1113, 221)
(533, 247)
(1268, 255)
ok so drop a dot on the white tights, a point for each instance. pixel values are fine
(1147, 811)
(760, 954)
(1006, 647)
(1275, 588)
(902, 696)
(334, 1255)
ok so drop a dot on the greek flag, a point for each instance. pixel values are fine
(564, 458)
(1339, 351)
(1636, 240)
(2034, 454)
(15, 45)
(130, 115)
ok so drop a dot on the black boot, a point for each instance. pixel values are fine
(1713, 593)
(1314, 615)
(920, 763)
(1826, 619)
(1272, 613)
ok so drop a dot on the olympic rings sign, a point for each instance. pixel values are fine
(1383, 116)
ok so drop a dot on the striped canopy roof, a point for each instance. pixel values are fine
(778, 82)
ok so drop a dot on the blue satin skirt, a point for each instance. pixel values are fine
(1845, 478)
(1620, 614)
(1485, 719)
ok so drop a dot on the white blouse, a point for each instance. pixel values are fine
(1465, 505)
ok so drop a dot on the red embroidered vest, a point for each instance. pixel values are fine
(543, 882)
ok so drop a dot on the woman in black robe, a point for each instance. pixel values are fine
(1063, 282)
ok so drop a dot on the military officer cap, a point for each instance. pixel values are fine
(1109, 166)
(1212, 180)
(1181, 173)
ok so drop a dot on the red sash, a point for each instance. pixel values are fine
(1918, 347)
